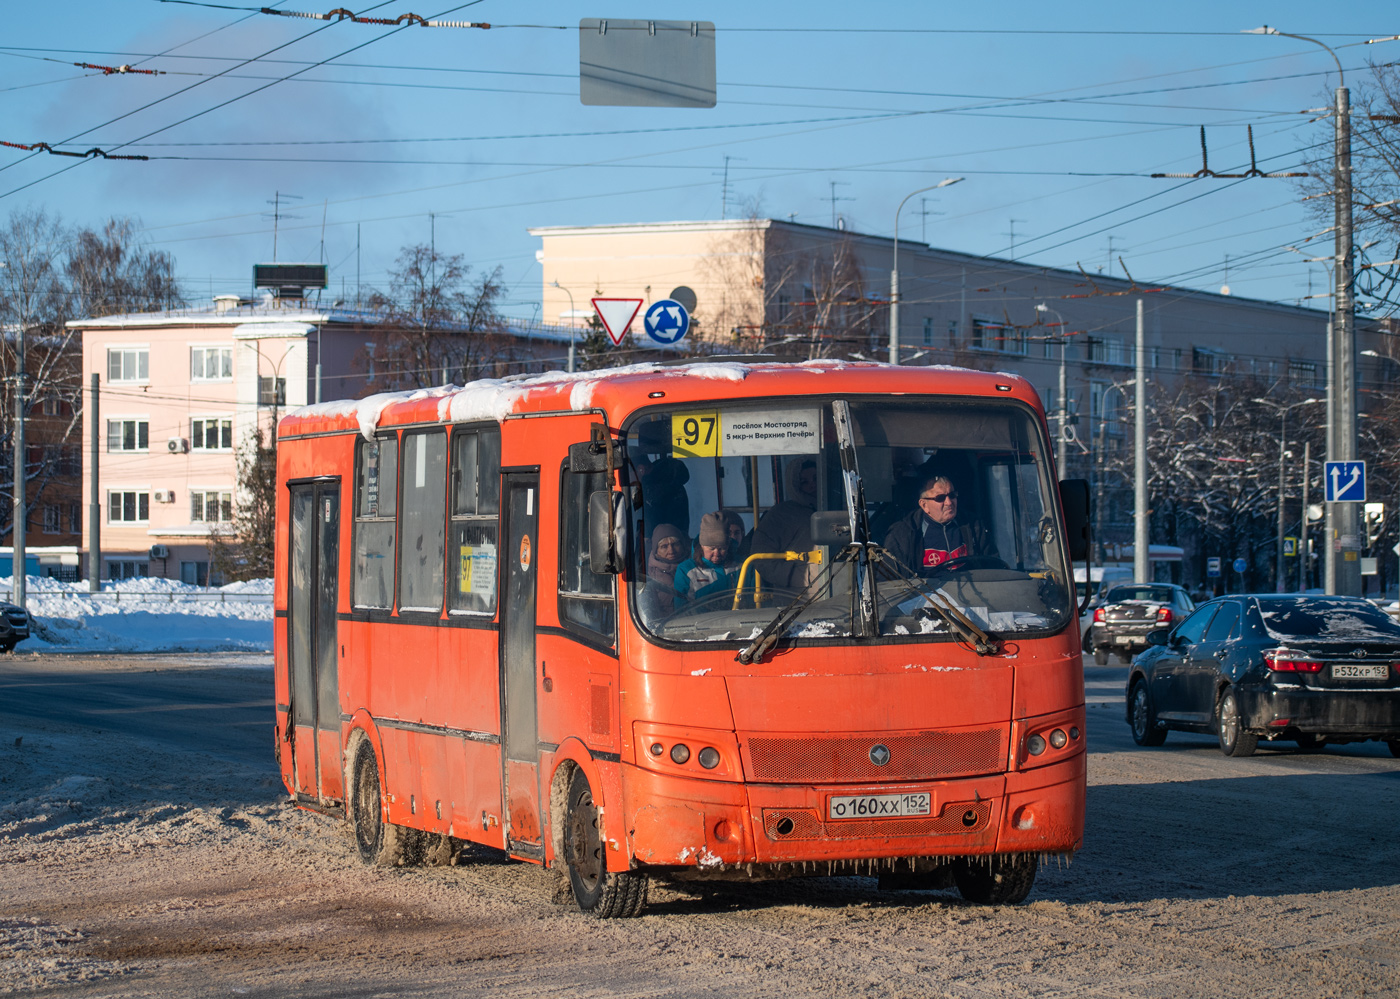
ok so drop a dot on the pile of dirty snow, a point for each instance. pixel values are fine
(148, 615)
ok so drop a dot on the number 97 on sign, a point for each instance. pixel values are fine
(695, 435)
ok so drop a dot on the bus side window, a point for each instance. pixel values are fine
(476, 506)
(586, 599)
(422, 517)
(376, 485)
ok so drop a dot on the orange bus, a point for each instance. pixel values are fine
(704, 621)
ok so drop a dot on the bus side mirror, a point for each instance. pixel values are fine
(1078, 508)
(607, 520)
(831, 527)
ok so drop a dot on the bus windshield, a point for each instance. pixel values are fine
(957, 493)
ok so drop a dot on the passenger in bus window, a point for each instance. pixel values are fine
(787, 527)
(933, 533)
(669, 549)
(664, 497)
(704, 574)
(739, 545)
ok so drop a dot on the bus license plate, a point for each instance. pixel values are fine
(878, 806)
(1358, 671)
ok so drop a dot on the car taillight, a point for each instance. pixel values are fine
(1164, 615)
(1098, 614)
(1282, 661)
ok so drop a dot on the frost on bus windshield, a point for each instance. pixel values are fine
(957, 493)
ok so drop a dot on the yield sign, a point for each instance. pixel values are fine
(617, 314)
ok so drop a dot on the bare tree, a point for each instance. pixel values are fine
(246, 550)
(109, 273)
(444, 323)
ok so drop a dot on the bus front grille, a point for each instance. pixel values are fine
(847, 759)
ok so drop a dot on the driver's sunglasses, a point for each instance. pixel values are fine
(941, 497)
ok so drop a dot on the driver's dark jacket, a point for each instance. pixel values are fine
(920, 543)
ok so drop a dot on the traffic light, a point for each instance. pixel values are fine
(1375, 521)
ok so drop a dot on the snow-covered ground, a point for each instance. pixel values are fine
(148, 615)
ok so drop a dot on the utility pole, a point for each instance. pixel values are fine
(1012, 235)
(1141, 566)
(1342, 547)
(1280, 583)
(17, 516)
(894, 270)
(94, 493)
(833, 199)
(1303, 557)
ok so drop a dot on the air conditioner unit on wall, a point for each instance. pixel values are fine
(178, 445)
(165, 495)
(159, 551)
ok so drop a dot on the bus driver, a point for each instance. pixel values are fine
(932, 534)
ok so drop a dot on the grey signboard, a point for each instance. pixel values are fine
(632, 63)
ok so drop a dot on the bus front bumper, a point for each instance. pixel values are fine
(716, 825)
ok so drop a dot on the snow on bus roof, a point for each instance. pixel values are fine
(496, 398)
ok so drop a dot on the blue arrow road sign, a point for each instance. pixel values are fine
(1344, 481)
(1213, 566)
(666, 321)
(1240, 565)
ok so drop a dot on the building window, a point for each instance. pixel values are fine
(127, 569)
(53, 519)
(1206, 361)
(209, 364)
(211, 506)
(128, 435)
(476, 507)
(1106, 350)
(211, 435)
(422, 510)
(128, 508)
(53, 406)
(952, 332)
(1302, 373)
(983, 335)
(585, 597)
(376, 484)
(194, 573)
(1176, 359)
(928, 332)
(128, 364)
(75, 518)
(272, 391)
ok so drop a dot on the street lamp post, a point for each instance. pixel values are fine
(894, 272)
(572, 310)
(1343, 522)
(1280, 579)
(1062, 402)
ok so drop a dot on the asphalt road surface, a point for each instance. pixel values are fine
(146, 849)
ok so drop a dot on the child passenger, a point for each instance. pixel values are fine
(705, 573)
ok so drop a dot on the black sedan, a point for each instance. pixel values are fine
(1306, 668)
(14, 626)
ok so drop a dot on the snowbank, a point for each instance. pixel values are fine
(148, 615)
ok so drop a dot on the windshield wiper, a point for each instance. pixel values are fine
(960, 624)
(764, 641)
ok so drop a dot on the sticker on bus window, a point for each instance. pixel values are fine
(477, 573)
(695, 435)
(525, 553)
(774, 431)
(712, 435)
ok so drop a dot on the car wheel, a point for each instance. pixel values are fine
(1309, 743)
(1229, 728)
(997, 879)
(379, 842)
(597, 890)
(1100, 657)
(1144, 718)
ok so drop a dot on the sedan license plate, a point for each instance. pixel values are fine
(1126, 639)
(1360, 671)
(879, 806)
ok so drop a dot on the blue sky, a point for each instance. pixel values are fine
(1043, 109)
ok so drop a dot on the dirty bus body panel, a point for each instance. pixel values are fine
(796, 703)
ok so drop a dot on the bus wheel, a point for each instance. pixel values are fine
(379, 842)
(997, 879)
(596, 890)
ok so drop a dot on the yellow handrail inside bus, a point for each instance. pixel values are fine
(813, 557)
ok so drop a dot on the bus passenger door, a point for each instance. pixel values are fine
(520, 556)
(312, 646)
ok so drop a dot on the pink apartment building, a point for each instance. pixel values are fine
(178, 392)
